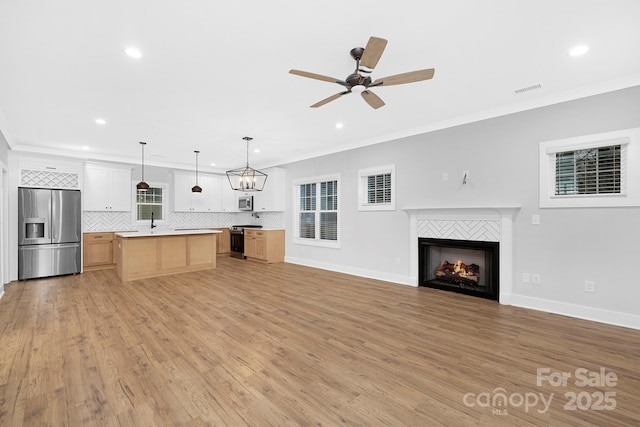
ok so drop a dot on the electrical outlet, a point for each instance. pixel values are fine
(396, 261)
(445, 176)
(526, 278)
(535, 279)
(535, 219)
(589, 286)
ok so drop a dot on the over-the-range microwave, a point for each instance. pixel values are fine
(245, 203)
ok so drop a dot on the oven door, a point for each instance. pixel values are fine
(237, 243)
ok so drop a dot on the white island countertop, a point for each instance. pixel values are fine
(152, 233)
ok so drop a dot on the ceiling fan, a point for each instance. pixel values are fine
(359, 81)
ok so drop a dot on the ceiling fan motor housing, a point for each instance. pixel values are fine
(356, 79)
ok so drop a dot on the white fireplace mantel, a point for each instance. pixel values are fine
(485, 223)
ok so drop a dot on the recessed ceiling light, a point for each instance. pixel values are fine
(339, 125)
(213, 164)
(579, 50)
(133, 52)
(256, 150)
(101, 121)
(84, 147)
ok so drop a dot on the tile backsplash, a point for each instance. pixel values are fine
(122, 221)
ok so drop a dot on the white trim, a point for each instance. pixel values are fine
(629, 138)
(316, 179)
(626, 320)
(377, 275)
(363, 174)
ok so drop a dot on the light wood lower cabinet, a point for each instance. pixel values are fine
(223, 246)
(98, 251)
(141, 257)
(264, 245)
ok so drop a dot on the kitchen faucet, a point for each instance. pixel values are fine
(152, 224)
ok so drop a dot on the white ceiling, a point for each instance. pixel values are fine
(213, 72)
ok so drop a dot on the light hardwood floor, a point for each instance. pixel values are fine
(280, 344)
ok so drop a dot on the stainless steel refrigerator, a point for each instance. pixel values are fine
(49, 232)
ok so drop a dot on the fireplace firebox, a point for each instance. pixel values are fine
(465, 266)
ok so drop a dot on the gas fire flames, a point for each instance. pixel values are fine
(458, 270)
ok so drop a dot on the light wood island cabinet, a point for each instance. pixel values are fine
(152, 254)
(264, 245)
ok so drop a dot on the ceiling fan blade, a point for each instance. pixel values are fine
(372, 99)
(329, 99)
(373, 52)
(410, 77)
(317, 77)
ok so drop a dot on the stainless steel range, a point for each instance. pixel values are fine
(237, 239)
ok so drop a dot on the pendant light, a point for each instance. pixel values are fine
(246, 178)
(196, 188)
(142, 186)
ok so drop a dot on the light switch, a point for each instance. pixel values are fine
(535, 219)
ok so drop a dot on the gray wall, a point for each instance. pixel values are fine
(567, 248)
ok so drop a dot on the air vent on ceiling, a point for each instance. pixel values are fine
(527, 89)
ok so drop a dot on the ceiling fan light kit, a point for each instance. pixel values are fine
(247, 178)
(359, 81)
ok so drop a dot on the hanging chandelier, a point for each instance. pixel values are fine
(142, 186)
(246, 178)
(196, 188)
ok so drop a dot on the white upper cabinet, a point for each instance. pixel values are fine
(229, 196)
(210, 200)
(107, 188)
(272, 198)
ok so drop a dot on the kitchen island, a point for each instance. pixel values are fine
(145, 254)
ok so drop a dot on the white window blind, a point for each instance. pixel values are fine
(590, 171)
(379, 188)
(329, 210)
(307, 215)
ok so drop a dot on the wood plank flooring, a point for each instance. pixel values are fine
(280, 344)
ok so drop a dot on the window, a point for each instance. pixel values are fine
(150, 201)
(376, 188)
(591, 171)
(316, 211)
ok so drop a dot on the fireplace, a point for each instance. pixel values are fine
(466, 266)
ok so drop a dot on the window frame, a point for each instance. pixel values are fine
(363, 186)
(134, 203)
(628, 139)
(316, 241)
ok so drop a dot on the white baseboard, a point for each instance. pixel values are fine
(378, 275)
(1, 290)
(626, 320)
